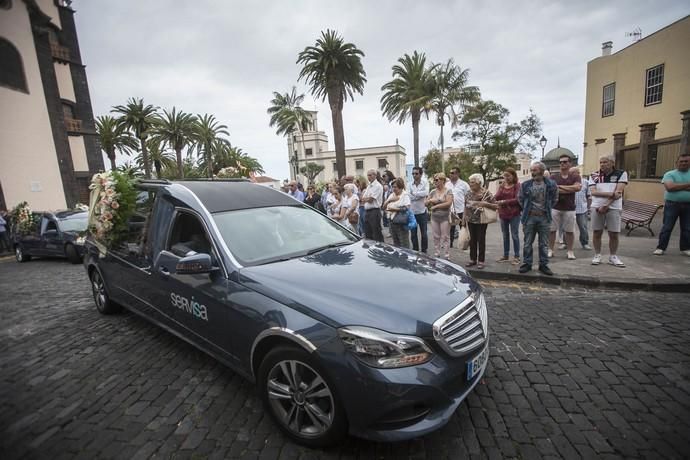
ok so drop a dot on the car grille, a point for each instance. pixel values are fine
(464, 328)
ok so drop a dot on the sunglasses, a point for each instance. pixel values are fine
(564, 162)
(415, 174)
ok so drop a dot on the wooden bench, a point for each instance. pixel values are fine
(637, 214)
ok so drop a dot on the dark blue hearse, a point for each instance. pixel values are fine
(341, 334)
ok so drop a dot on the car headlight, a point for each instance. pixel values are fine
(80, 240)
(382, 349)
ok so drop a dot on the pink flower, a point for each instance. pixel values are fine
(114, 205)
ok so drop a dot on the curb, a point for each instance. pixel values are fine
(652, 285)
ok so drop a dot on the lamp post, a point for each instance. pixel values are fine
(542, 142)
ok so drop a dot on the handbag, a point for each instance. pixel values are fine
(353, 218)
(411, 220)
(453, 217)
(400, 218)
(487, 216)
(464, 237)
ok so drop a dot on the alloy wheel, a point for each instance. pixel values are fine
(98, 288)
(300, 398)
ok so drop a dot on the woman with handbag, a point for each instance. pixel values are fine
(509, 214)
(350, 201)
(440, 201)
(396, 206)
(480, 210)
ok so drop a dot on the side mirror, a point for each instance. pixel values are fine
(197, 263)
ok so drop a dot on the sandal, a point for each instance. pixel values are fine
(470, 264)
(503, 259)
(480, 265)
(515, 261)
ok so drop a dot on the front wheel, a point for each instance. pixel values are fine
(299, 397)
(20, 255)
(104, 305)
(72, 254)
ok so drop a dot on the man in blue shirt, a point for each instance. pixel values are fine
(537, 198)
(294, 192)
(676, 205)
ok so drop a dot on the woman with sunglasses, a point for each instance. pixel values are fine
(439, 202)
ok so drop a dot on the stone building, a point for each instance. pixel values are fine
(312, 147)
(638, 108)
(48, 144)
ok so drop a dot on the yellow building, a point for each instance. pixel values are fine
(638, 108)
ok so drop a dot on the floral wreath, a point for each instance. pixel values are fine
(26, 221)
(112, 202)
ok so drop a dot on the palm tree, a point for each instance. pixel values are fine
(408, 93)
(287, 115)
(206, 132)
(157, 156)
(450, 89)
(175, 130)
(139, 118)
(114, 137)
(334, 69)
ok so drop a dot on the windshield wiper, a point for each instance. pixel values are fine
(328, 246)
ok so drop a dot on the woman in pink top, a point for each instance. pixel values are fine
(509, 214)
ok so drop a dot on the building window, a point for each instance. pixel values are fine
(11, 67)
(383, 163)
(655, 85)
(308, 152)
(609, 99)
(359, 165)
(335, 167)
(68, 111)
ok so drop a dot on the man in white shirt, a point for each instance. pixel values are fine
(419, 190)
(606, 187)
(459, 188)
(373, 199)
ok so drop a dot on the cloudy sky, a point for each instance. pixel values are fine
(227, 57)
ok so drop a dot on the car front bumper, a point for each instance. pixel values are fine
(399, 404)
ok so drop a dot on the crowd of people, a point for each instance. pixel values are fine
(550, 206)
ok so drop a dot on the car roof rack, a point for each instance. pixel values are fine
(154, 181)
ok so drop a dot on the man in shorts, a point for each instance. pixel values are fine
(563, 214)
(606, 187)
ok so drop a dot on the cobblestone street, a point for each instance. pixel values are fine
(573, 373)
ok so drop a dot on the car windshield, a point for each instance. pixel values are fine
(74, 223)
(262, 235)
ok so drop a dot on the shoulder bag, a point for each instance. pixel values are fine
(487, 215)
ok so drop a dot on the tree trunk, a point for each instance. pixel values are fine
(209, 162)
(180, 169)
(338, 133)
(111, 157)
(157, 164)
(443, 165)
(416, 115)
(145, 158)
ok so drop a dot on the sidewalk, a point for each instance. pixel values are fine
(670, 272)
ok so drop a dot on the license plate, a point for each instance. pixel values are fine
(475, 364)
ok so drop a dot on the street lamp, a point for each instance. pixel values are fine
(293, 162)
(542, 142)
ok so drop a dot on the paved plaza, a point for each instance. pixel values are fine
(573, 373)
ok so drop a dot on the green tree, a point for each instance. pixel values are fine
(139, 118)
(333, 69)
(311, 170)
(114, 137)
(450, 89)
(175, 130)
(465, 163)
(287, 116)
(432, 163)
(409, 93)
(487, 124)
(207, 131)
(160, 158)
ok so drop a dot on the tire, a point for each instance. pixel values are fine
(72, 254)
(314, 418)
(104, 305)
(20, 255)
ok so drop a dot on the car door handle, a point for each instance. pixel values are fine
(164, 271)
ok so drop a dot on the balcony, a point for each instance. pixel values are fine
(59, 52)
(72, 125)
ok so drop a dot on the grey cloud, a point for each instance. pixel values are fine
(226, 58)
